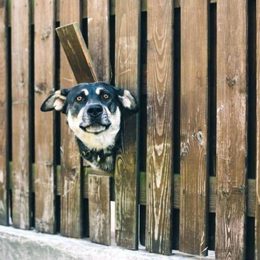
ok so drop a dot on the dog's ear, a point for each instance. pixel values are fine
(127, 100)
(56, 101)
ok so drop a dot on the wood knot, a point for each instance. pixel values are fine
(231, 81)
(45, 33)
(40, 88)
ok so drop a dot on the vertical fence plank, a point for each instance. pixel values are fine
(159, 125)
(194, 104)
(127, 76)
(3, 114)
(257, 210)
(99, 208)
(98, 37)
(231, 128)
(99, 186)
(71, 195)
(20, 112)
(44, 18)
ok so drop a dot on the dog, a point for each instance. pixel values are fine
(94, 113)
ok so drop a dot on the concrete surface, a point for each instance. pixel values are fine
(18, 244)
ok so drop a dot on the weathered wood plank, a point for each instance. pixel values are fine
(99, 186)
(77, 53)
(44, 18)
(194, 130)
(257, 202)
(71, 195)
(159, 125)
(99, 208)
(127, 76)
(3, 114)
(231, 128)
(98, 37)
(20, 112)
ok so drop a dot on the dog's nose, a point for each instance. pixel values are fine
(95, 110)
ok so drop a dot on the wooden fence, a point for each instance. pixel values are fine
(187, 175)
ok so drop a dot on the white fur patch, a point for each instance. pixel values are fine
(98, 90)
(96, 141)
(85, 91)
(128, 100)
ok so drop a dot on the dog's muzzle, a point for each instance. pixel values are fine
(95, 119)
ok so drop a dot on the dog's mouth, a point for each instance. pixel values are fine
(94, 128)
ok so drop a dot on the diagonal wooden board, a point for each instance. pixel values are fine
(83, 69)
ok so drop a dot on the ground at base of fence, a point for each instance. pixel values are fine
(20, 244)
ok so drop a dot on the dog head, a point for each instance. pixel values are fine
(94, 112)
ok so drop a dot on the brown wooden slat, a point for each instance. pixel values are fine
(99, 186)
(71, 197)
(257, 202)
(194, 130)
(98, 37)
(231, 128)
(127, 76)
(159, 125)
(44, 45)
(3, 114)
(77, 53)
(99, 208)
(20, 112)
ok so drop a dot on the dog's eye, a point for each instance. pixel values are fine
(79, 98)
(105, 96)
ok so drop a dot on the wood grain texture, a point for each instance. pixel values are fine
(194, 130)
(71, 195)
(127, 76)
(3, 114)
(231, 129)
(44, 19)
(20, 112)
(77, 53)
(159, 126)
(98, 38)
(99, 186)
(99, 209)
(257, 202)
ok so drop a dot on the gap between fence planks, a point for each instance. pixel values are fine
(159, 126)
(257, 202)
(99, 185)
(21, 89)
(231, 165)
(127, 65)
(3, 115)
(194, 132)
(44, 12)
(71, 176)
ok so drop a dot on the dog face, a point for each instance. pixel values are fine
(94, 112)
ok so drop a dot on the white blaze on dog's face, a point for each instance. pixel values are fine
(93, 112)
